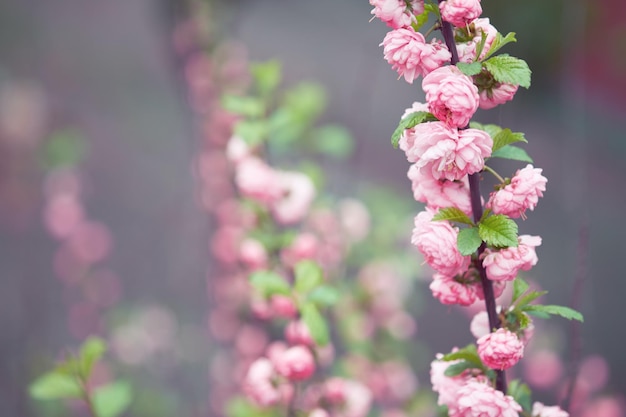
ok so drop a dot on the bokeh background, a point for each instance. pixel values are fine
(109, 72)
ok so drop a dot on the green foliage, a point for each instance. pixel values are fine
(481, 45)
(90, 352)
(324, 296)
(467, 353)
(242, 407)
(408, 122)
(253, 132)
(316, 323)
(453, 214)
(505, 137)
(458, 368)
(244, 105)
(470, 69)
(565, 312)
(508, 69)
(421, 19)
(333, 140)
(493, 130)
(519, 287)
(269, 283)
(55, 385)
(64, 148)
(266, 76)
(111, 400)
(521, 393)
(512, 152)
(499, 42)
(529, 297)
(498, 231)
(308, 275)
(468, 241)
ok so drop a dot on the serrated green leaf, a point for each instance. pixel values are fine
(253, 132)
(333, 140)
(90, 352)
(324, 296)
(506, 137)
(308, 275)
(469, 69)
(458, 368)
(55, 385)
(512, 152)
(538, 314)
(408, 122)
(508, 69)
(565, 312)
(519, 287)
(499, 42)
(481, 45)
(244, 105)
(452, 214)
(316, 323)
(498, 231)
(468, 241)
(111, 400)
(468, 353)
(521, 393)
(493, 130)
(529, 298)
(266, 76)
(269, 283)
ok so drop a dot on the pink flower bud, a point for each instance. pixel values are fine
(297, 333)
(296, 363)
(501, 349)
(460, 12)
(451, 95)
(257, 180)
(253, 254)
(283, 306)
(304, 246)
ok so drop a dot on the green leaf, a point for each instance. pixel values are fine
(481, 45)
(458, 368)
(470, 69)
(308, 275)
(508, 69)
(324, 296)
(519, 287)
(111, 400)
(521, 393)
(55, 385)
(499, 42)
(506, 137)
(529, 298)
(242, 407)
(269, 283)
(307, 100)
(408, 122)
(253, 132)
(468, 241)
(244, 105)
(493, 130)
(512, 152)
(333, 140)
(316, 323)
(538, 314)
(498, 231)
(90, 352)
(565, 312)
(266, 76)
(468, 353)
(452, 214)
(64, 148)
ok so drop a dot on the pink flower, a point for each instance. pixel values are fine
(258, 181)
(479, 326)
(503, 265)
(237, 149)
(451, 95)
(447, 387)
(258, 383)
(297, 333)
(440, 193)
(437, 243)
(296, 363)
(352, 398)
(297, 194)
(460, 12)
(395, 12)
(476, 399)
(408, 53)
(448, 290)
(467, 50)
(501, 349)
(253, 254)
(319, 412)
(521, 194)
(283, 306)
(543, 369)
(540, 410)
(498, 94)
(304, 246)
(446, 152)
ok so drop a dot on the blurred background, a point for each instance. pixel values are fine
(103, 84)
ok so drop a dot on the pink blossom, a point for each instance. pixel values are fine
(304, 246)
(450, 291)
(476, 399)
(440, 193)
(296, 363)
(258, 383)
(408, 53)
(501, 349)
(479, 326)
(542, 369)
(319, 412)
(447, 387)
(297, 333)
(395, 12)
(447, 153)
(540, 410)
(503, 265)
(498, 94)
(352, 398)
(63, 214)
(237, 149)
(355, 219)
(283, 306)
(467, 50)
(297, 194)
(415, 107)
(258, 181)
(523, 193)
(436, 240)
(253, 254)
(451, 95)
(460, 12)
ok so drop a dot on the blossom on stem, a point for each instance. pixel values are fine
(440, 193)
(297, 195)
(477, 399)
(503, 265)
(523, 193)
(540, 410)
(436, 240)
(408, 53)
(498, 94)
(297, 333)
(447, 387)
(296, 363)
(258, 383)
(451, 95)
(501, 349)
(460, 12)
(449, 290)
(397, 13)
(467, 50)
(257, 180)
